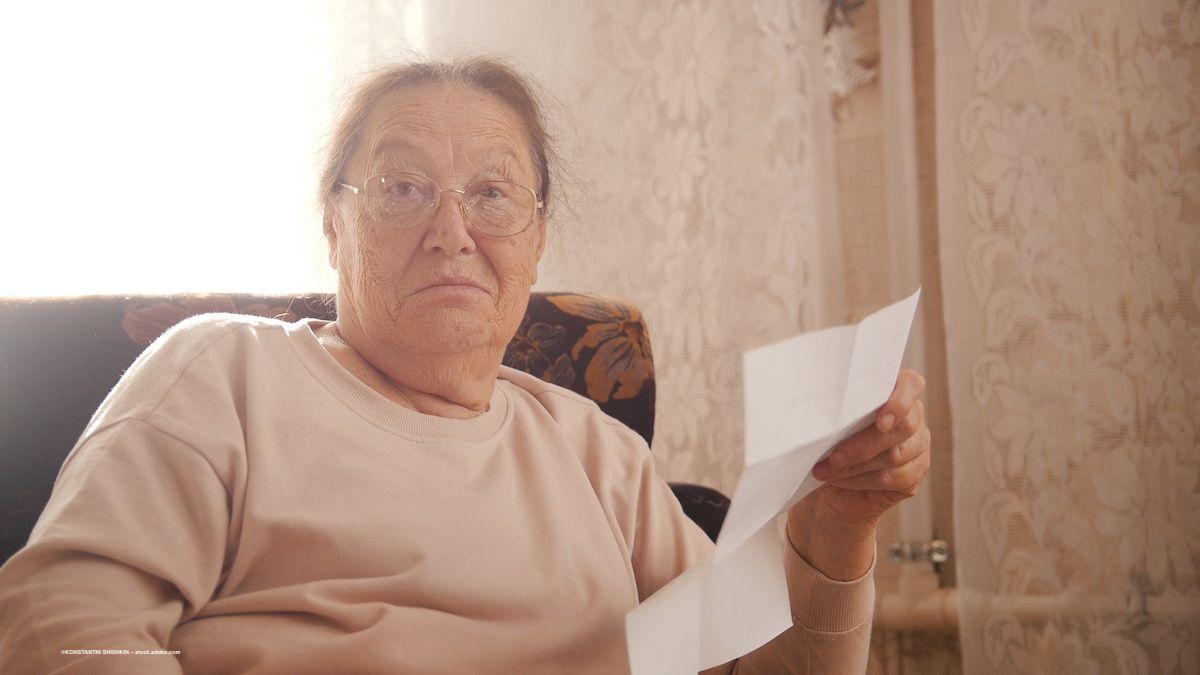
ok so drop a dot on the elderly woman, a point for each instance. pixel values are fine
(378, 493)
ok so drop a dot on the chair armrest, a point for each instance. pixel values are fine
(705, 506)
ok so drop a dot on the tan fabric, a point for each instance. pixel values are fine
(243, 499)
(1069, 180)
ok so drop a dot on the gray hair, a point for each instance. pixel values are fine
(487, 74)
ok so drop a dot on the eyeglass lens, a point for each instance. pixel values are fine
(497, 207)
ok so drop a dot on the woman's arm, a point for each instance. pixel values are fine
(864, 477)
(830, 632)
(832, 533)
(131, 543)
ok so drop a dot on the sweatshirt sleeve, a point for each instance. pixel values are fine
(131, 543)
(831, 629)
(663, 541)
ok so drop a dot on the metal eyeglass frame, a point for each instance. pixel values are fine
(538, 205)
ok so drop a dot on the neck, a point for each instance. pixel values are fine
(454, 384)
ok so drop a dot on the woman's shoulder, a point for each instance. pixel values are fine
(579, 417)
(208, 337)
(192, 354)
(558, 400)
(204, 329)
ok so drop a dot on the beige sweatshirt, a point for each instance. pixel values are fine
(244, 502)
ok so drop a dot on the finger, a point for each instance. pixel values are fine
(910, 424)
(864, 445)
(904, 479)
(909, 386)
(897, 455)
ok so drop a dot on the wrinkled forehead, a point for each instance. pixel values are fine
(444, 128)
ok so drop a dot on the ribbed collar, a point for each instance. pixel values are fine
(377, 408)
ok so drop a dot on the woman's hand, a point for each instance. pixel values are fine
(833, 528)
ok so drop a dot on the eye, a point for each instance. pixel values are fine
(403, 189)
(491, 191)
(399, 196)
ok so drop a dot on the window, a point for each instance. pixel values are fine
(155, 147)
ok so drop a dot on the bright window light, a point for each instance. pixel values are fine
(163, 147)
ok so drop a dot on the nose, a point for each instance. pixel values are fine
(447, 231)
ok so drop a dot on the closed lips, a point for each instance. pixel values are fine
(456, 281)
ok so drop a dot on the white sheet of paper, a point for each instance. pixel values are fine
(803, 396)
(709, 612)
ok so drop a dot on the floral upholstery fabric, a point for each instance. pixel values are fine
(62, 356)
(593, 345)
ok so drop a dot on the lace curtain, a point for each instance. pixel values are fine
(1069, 195)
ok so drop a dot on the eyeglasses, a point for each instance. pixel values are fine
(494, 207)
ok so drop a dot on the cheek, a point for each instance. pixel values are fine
(374, 266)
(382, 256)
(515, 261)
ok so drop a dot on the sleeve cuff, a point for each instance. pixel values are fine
(823, 604)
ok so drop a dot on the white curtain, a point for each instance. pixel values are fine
(688, 136)
(1068, 159)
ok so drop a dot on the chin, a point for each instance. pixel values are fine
(452, 330)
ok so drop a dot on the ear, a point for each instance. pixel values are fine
(541, 247)
(327, 225)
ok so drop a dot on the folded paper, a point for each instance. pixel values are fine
(803, 396)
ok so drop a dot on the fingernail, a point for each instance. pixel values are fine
(886, 422)
(822, 470)
(837, 460)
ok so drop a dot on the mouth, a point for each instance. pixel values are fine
(455, 283)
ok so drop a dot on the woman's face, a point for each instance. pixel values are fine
(402, 287)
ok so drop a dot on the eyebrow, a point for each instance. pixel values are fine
(395, 149)
(498, 159)
(502, 160)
